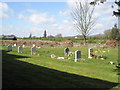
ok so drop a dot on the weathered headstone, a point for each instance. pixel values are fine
(77, 55)
(20, 49)
(90, 52)
(66, 51)
(9, 48)
(33, 50)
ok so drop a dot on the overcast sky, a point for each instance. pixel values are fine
(23, 18)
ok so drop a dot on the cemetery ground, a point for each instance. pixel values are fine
(23, 70)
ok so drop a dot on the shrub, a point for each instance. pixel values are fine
(68, 43)
(111, 43)
(91, 41)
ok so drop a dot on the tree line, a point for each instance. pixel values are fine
(111, 34)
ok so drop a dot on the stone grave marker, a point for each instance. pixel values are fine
(90, 51)
(77, 55)
(9, 48)
(20, 49)
(33, 50)
(33, 45)
(23, 46)
(66, 51)
(15, 45)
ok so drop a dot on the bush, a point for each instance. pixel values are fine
(68, 43)
(111, 43)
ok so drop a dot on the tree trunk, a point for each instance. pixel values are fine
(85, 40)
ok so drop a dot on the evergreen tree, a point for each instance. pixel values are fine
(45, 34)
(30, 36)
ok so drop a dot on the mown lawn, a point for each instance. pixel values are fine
(22, 70)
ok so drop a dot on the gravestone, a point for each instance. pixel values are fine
(20, 49)
(90, 52)
(66, 51)
(33, 45)
(53, 56)
(23, 46)
(15, 45)
(33, 50)
(9, 48)
(77, 55)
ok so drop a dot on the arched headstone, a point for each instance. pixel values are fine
(77, 55)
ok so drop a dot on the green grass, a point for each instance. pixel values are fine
(25, 70)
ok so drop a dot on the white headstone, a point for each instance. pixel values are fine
(15, 45)
(33, 45)
(53, 56)
(77, 55)
(33, 50)
(20, 49)
(9, 48)
(23, 45)
(90, 51)
(66, 51)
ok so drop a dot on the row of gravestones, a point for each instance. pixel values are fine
(33, 49)
(66, 52)
(78, 53)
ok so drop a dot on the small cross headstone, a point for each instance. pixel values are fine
(66, 51)
(33, 50)
(90, 51)
(9, 48)
(77, 55)
(20, 49)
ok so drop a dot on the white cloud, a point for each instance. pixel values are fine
(31, 10)
(41, 18)
(23, 31)
(4, 6)
(66, 28)
(3, 15)
(37, 18)
(21, 16)
(3, 10)
(64, 13)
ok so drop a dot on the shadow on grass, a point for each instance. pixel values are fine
(19, 74)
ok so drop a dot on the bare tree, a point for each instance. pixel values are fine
(82, 14)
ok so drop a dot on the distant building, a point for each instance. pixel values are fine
(78, 37)
(8, 37)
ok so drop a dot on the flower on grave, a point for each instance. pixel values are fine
(104, 51)
(91, 54)
(95, 56)
(104, 57)
(102, 54)
(101, 57)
